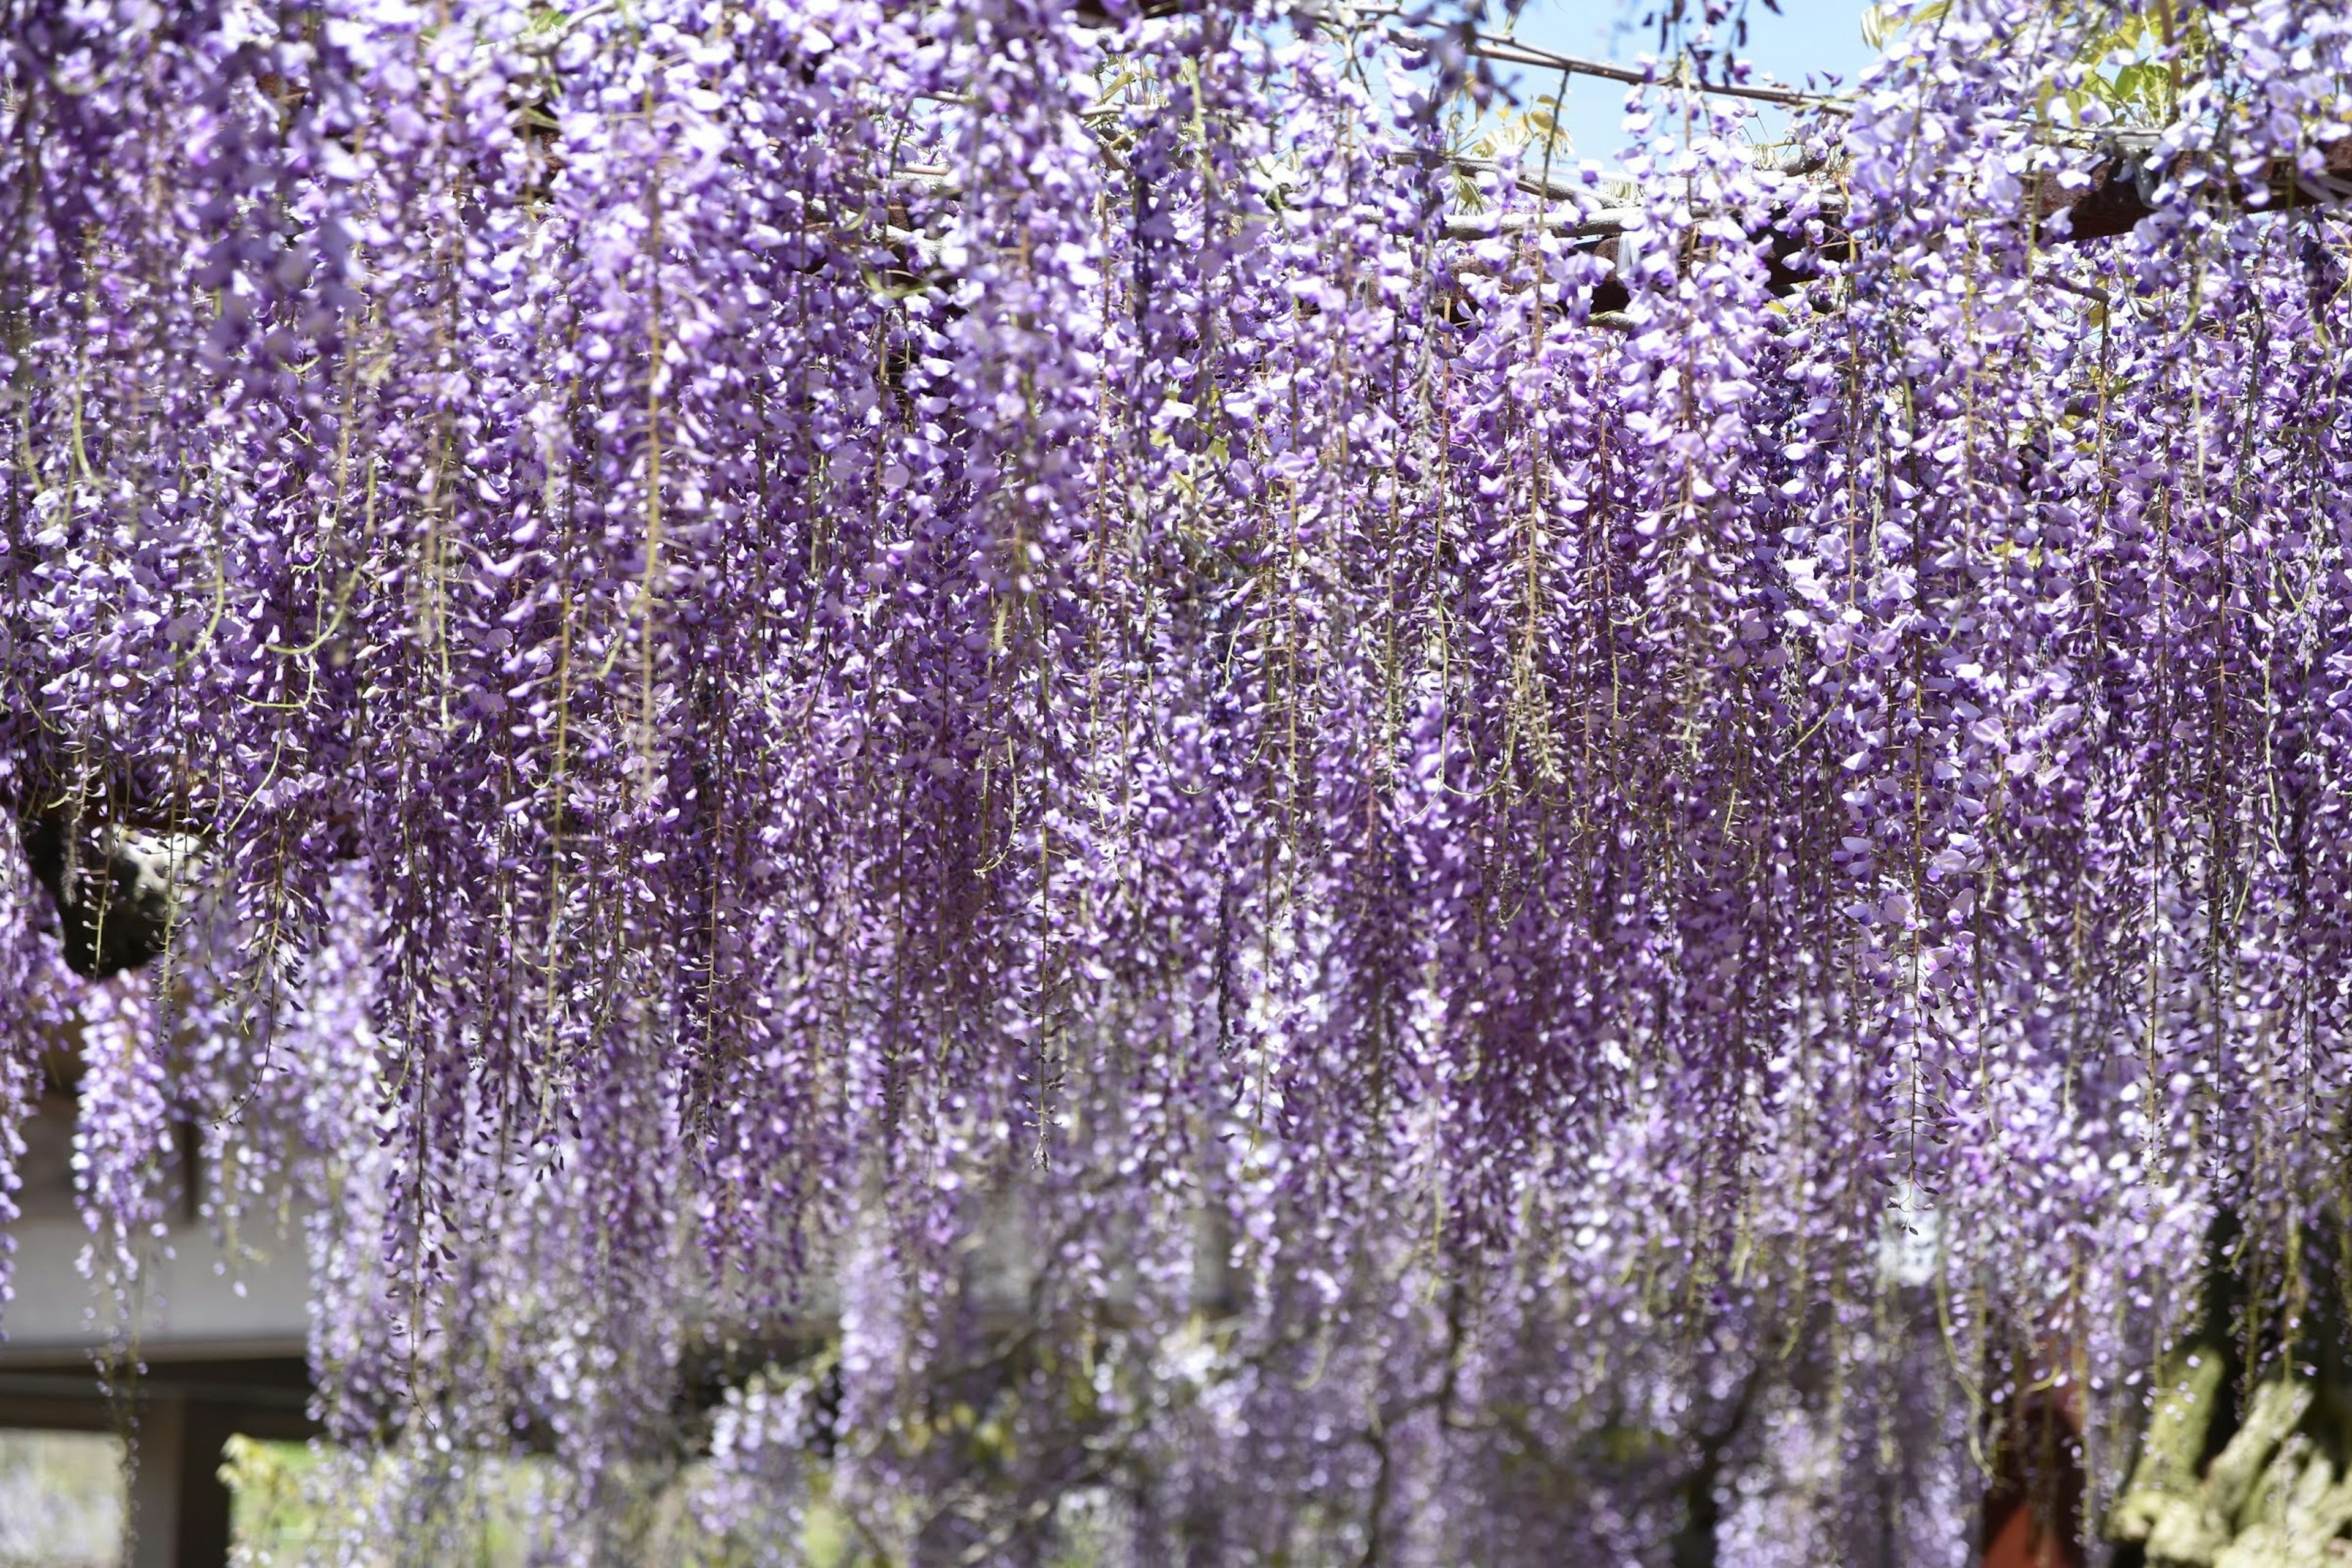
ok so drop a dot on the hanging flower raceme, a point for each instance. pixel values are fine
(1256, 837)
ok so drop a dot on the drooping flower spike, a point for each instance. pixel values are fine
(1321, 847)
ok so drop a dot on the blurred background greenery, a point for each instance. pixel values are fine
(61, 1500)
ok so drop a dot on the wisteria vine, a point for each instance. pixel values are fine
(1285, 859)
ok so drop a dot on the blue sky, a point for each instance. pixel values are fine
(1811, 38)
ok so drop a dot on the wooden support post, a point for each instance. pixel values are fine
(179, 1508)
(2035, 1506)
(158, 1455)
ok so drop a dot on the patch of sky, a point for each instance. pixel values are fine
(1810, 44)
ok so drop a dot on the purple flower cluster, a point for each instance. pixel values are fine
(1030, 688)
